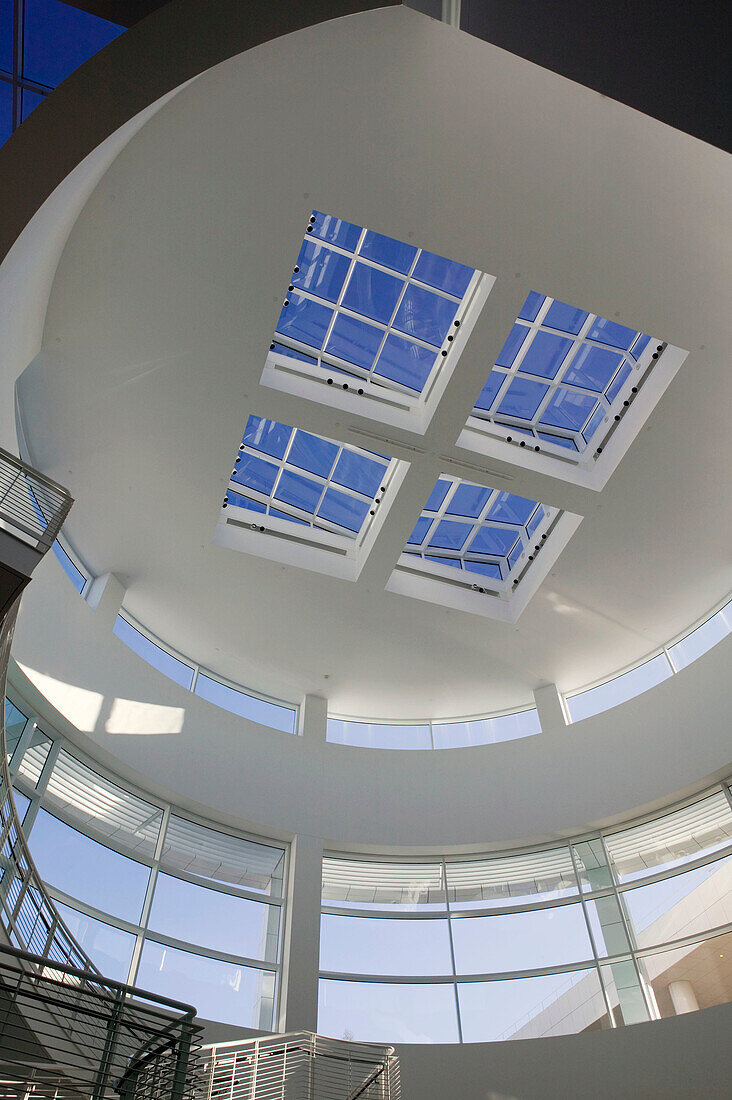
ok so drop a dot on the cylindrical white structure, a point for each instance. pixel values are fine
(683, 997)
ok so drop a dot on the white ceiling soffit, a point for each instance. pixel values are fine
(169, 288)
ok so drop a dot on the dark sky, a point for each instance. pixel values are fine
(667, 58)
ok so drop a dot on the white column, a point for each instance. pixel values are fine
(683, 997)
(314, 718)
(105, 596)
(301, 949)
(550, 706)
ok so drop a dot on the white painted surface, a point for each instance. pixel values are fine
(162, 306)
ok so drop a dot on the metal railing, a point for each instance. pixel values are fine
(299, 1066)
(32, 506)
(66, 1034)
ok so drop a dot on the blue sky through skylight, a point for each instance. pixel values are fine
(294, 475)
(369, 306)
(485, 533)
(562, 376)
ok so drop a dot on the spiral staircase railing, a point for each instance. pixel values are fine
(66, 1032)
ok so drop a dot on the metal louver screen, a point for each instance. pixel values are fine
(365, 882)
(686, 833)
(103, 808)
(211, 854)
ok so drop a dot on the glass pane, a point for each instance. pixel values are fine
(34, 757)
(220, 991)
(109, 948)
(367, 884)
(87, 870)
(702, 639)
(531, 1008)
(404, 362)
(372, 945)
(98, 805)
(372, 293)
(21, 803)
(377, 735)
(536, 876)
(387, 251)
(6, 35)
(520, 941)
(6, 111)
(164, 662)
(211, 918)
(75, 575)
(211, 854)
(624, 992)
(619, 689)
(700, 974)
(15, 722)
(247, 706)
(444, 274)
(486, 731)
(672, 839)
(370, 1012)
(58, 38)
(30, 101)
(425, 315)
(694, 901)
(608, 927)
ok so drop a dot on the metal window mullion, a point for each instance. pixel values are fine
(347, 311)
(344, 285)
(18, 29)
(586, 915)
(388, 330)
(651, 1008)
(149, 897)
(452, 946)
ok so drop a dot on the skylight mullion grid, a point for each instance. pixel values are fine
(377, 309)
(270, 500)
(594, 378)
(346, 311)
(343, 289)
(465, 553)
(400, 298)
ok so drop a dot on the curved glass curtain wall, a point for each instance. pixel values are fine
(605, 929)
(485, 730)
(41, 43)
(608, 929)
(155, 898)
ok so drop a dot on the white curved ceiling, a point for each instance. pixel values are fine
(166, 296)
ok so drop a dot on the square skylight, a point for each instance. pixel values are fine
(570, 389)
(372, 324)
(319, 502)
(481, 549)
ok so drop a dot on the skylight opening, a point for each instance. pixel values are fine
(379, 321)
(566, 385)
(305, 491)
(480, 549)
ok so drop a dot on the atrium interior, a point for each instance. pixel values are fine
(374, 688)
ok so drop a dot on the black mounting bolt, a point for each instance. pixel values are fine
(450, 339)
(360, 393)
(617, 418)
(330, 381)
(345, 385)
(456, 324)
(271, 347)
(599, 450)
(445, 352)
(509, 439)
(295, 270)
(522, 443)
